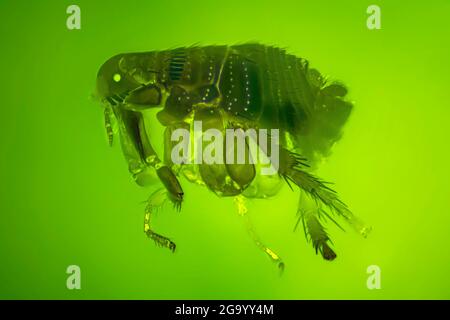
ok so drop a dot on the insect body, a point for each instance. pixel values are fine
(248, 86)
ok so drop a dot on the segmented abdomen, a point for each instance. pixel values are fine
(282, 92)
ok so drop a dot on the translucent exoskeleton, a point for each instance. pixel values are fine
(230, 87)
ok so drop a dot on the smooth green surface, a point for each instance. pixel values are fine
(67, 198)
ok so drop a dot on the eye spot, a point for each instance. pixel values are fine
(117, 77)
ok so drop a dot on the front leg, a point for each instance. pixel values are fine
(135, 133)
(164, 172)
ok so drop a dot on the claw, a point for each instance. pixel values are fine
(327, 252)
(281, 267)
(177, 205)
(177, 200)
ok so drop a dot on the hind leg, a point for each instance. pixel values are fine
(155, 201)
(292, 168)
(310, 213)
(243, 211)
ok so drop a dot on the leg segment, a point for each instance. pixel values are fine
(155, 201)
(164, 172)
(108, 125)
(243, 211)
(309, 213)
(292, 169)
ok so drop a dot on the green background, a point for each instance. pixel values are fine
(67, 198)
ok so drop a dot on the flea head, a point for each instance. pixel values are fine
(125, 79)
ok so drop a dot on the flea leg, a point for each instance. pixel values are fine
(136, 138)
(164, 172)
(309, 213)
(141, 155)
(292, 168)
(243, 211)
(127, 123)
(155, 201)
(108, 125)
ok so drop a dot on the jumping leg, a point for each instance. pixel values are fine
(310, 213)
(292, 168)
